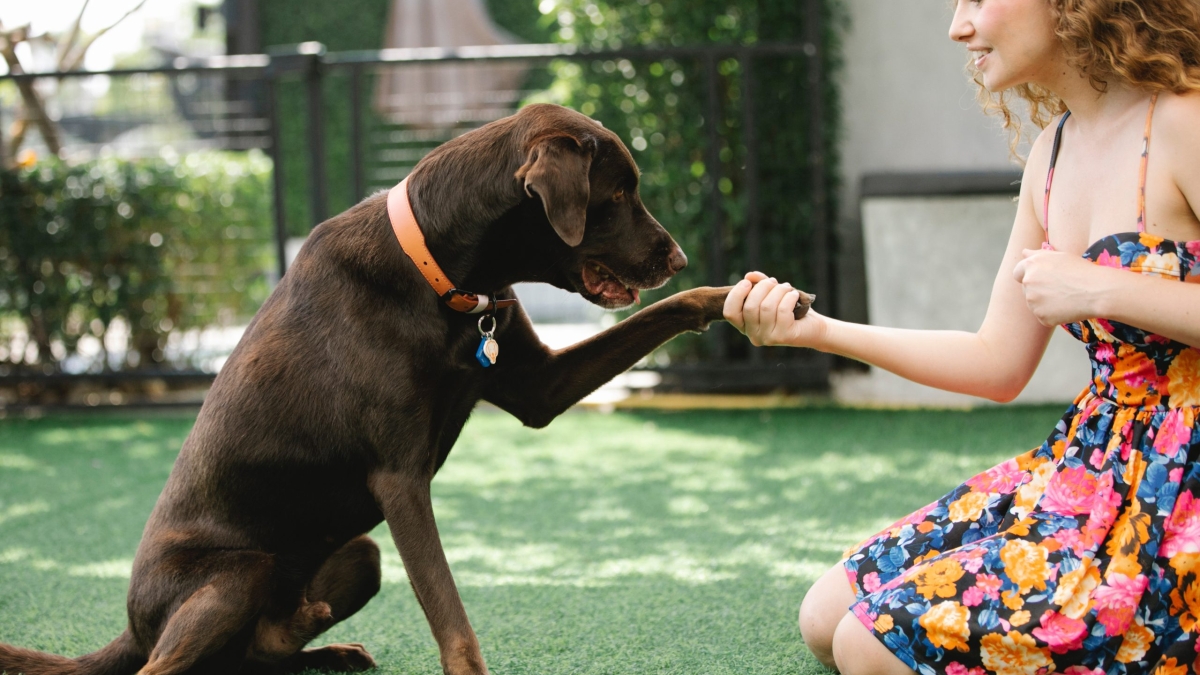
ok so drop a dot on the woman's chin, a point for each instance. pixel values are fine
(996, 82)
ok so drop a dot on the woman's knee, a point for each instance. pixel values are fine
(856, 651)
(822, 608)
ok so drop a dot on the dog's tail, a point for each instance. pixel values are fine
(120, 657)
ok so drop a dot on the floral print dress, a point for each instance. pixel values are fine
(1083, 555)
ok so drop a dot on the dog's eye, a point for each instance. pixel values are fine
(618, 195)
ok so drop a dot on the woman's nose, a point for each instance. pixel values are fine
(961, 28)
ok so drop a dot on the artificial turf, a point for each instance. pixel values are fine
(605, 544)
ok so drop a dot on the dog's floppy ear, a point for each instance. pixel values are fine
(557, 171)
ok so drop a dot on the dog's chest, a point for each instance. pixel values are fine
(460, 386)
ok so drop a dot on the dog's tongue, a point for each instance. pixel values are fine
(601, 283)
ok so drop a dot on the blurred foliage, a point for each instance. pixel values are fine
(163, 246)
(658, 107)
(355, 24)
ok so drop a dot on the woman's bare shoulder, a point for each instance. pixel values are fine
(1177, 120)
(1177, 140)
(1038, 161)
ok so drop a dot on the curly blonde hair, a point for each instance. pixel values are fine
(1152, 44)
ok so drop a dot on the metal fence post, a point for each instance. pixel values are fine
(3, 147)
(750, 138)
(718, 335)
(316, 130)
(816, 153)
(277, 174)
(356, 159)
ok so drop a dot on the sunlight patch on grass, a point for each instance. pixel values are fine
(687, 505)
(604, 509)
(144, 450)
(15, 554)
(628, 450)
(87, 436)
(806, 570)
(23, 509)
(108, 569)
(21, 463)
(121, 568)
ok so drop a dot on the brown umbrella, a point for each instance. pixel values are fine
(446, 95)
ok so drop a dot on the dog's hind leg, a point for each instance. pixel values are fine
(200, 635)
(348, 579)
(344, 583)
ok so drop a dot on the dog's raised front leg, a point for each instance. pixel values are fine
(409, 513)
(536, 384)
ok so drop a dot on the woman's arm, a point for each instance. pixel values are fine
(996, 362)
(1062, 288)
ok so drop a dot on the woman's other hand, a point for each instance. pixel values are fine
(761, 308)
(1059, 287)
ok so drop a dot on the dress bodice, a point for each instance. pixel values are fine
(1131, 366)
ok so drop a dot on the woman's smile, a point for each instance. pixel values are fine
(980, 57)
(1022, 29)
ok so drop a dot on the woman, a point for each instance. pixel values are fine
(1083, 555)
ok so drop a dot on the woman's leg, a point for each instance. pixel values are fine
(822, 608)
(857, 652)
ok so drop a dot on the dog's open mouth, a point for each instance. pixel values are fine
(601, 282)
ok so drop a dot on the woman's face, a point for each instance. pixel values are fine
(1012, 41)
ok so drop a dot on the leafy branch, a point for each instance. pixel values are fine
(70, 49)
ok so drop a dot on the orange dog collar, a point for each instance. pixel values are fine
(412, 242)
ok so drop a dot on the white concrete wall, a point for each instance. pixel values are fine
(931, 263)
(907, 106)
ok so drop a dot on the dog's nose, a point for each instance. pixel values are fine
(678, 260)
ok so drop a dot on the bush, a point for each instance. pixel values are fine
(158, 246)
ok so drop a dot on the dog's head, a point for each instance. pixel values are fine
(587, 183)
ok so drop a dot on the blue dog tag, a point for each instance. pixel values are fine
(487, 352)
(488, 348)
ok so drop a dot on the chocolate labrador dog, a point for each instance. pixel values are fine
(352, 383)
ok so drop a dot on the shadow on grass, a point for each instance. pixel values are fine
(628, 543)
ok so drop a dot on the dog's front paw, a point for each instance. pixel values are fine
(707, 303)
(803, 304)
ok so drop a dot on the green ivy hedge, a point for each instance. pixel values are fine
(163, 246)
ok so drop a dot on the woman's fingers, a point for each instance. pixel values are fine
(785, 313)
(751, 308)
(1019, 271)
(756, 304)
(769, 311)
(734, 302)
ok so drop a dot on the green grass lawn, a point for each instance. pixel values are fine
(606, 544)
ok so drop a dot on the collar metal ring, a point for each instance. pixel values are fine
(490, 330)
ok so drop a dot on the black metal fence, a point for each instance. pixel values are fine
(311, 110)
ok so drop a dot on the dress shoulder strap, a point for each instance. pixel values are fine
(1141, 225)
(1050, 178)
